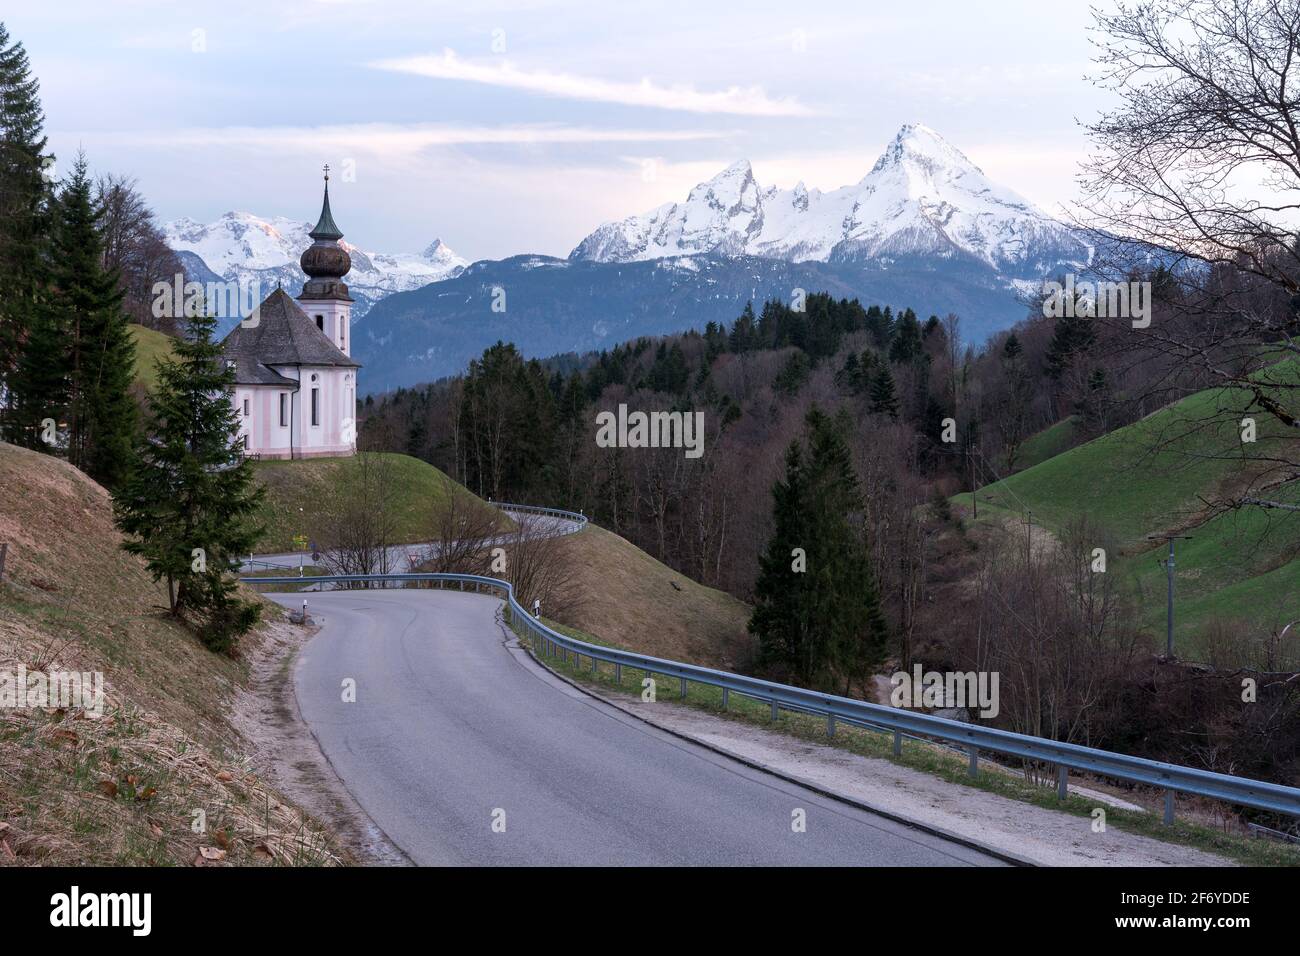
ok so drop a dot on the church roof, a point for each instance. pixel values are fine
(284, 335)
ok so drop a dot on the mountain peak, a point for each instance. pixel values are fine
(924, 197)
(922, 146)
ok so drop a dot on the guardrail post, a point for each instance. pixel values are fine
(974, 770)
(618, 674)
(724, 698)
(774, 710)
(1062, 781)
(683, 688)
(1169, 807)
(830, 725)
(593, 666)
(898, 743)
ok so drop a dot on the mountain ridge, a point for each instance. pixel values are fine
(923, 196)
(243, 247)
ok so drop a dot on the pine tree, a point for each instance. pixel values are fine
(846, 607)
(743, 331)
(779, 620)
(907, 341)
(86, 301)
(1011, 349)
(817, 613)
(884, 399)
(188, 507)
(24, 199)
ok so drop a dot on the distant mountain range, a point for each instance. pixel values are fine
(245, 248)
(922, 199)
(925, 229)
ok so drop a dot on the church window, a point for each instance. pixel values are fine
(315, 406)
(245, 408)
(320, 322)
(284, 409)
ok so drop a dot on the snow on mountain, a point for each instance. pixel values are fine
(242, 247)
(923, 198)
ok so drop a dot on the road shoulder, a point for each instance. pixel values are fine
(1011, 829)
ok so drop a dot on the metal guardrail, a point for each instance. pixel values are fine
(574, 516)
(973, 738)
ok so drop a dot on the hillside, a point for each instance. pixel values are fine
(150, 346)
(632, 601)
(298, 491)
(1156, 477)
(121, 788)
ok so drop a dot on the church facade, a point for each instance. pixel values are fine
(295, 390)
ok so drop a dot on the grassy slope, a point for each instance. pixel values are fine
(296, 491)
(631, 602)
(1048, 443)
(72, 600)
(150, 346)
(1240, 565)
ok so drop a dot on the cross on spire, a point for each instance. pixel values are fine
(327, 172)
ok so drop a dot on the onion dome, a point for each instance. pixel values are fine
(325, 261)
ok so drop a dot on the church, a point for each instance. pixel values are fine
(295, 388)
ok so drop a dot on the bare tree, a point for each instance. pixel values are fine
(135, 247)
(1201, 163)
(464, 532)
(539, 569)
(357, 529)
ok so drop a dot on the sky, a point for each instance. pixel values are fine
(512, 127)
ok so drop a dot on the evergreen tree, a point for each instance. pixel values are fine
(817, 613)
(24, 200)
(845, 604)
(884, 399)
(907, 341)
(189, 505)
(793, 374)
(780, 619)
(86, 301)
(743, 331)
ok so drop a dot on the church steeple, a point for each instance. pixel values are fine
(325, 260)
(325, 228)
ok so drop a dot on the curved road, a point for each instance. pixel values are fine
(453, 722)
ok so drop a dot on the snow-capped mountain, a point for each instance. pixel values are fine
(245, 248)
(923, 199)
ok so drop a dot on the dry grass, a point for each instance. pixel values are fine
(126, 787)
(633, 601)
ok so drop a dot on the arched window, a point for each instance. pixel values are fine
(320, 322)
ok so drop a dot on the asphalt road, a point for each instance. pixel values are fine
(454, 728)
(401, 557)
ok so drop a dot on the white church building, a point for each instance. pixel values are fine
(295, 381)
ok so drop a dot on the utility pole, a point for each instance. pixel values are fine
(1169, 602)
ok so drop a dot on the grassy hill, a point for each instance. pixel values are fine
(635, 602)
(120, 788)
(297, 491)
(150, 346)
(1158, 476)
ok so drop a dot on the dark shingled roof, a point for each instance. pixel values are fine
(284, 335)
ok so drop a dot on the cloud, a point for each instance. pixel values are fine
(388, 138)
(739, 101)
